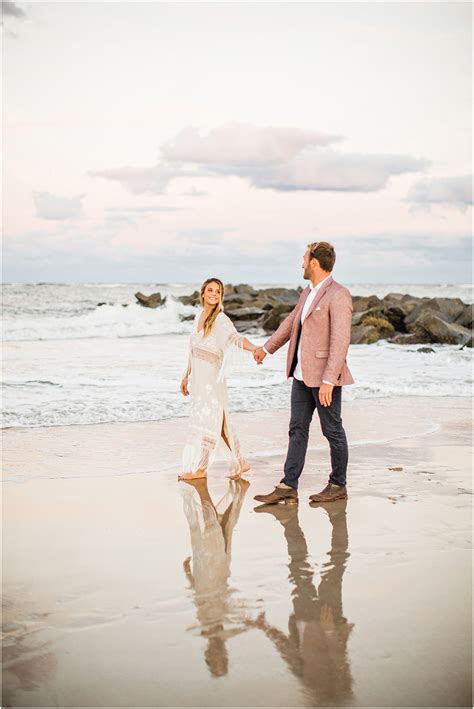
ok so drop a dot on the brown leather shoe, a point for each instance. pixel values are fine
(280, 494)
(330, 493)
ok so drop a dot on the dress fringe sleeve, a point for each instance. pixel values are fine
(231, 344)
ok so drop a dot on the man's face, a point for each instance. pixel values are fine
(306, 265)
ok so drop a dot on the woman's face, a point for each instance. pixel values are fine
(212, 293)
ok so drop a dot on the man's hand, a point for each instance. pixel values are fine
(184, 386)
(325, 394)
(259, 355)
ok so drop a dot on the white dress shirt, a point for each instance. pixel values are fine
(298, 374)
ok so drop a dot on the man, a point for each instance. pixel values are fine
(319, 332)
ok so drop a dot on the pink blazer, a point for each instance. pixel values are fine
(325, 336)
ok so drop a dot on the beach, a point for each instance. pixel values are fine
(123, 587)
(199, 199)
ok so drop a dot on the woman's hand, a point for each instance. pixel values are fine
(184, 386)
(259, 355)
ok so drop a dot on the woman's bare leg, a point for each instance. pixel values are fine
(244, 466)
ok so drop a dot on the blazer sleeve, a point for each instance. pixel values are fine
(340, 313)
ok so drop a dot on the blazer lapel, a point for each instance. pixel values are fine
(319, 295)
(297, 320)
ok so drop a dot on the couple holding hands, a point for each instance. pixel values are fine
(318, 330)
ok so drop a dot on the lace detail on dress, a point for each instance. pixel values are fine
(206, 355)
(208, 443)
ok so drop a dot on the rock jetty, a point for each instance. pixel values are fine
(397, 317)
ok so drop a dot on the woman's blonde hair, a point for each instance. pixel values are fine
(211, 318)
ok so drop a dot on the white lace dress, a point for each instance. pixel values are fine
(211, 358)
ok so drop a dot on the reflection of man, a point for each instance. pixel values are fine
(211, 528)
(319, 332)
(315, 648)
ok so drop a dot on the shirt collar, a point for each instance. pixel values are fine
(318, 286)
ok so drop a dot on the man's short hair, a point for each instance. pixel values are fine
(324, 253)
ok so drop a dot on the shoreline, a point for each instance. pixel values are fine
(360, 416)
(185, 416)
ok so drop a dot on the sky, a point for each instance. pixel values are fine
(170, 142)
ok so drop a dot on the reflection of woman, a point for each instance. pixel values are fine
(211, 527)
(214, 345)
(315, 648)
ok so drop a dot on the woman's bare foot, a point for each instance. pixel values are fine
(198, 475)
(244, 467)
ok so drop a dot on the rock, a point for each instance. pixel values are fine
(244, 288)
(102, 303)
(434, 329)
(150, 301)
(364, 335)
(238, 299)
(396, 468)
(469, 342)
(466, 317)
(185, 318)
(425, 350)
(249, 313)
(281, 295)
(384, 327)
(365, 302)
(403, 299)
(248, 326)
(269, 298)
(397, 297)
(448, 309)
(396, 316)
(193, 299)
(274, 318)
(370, 330)
(407, 339)
(358, 317)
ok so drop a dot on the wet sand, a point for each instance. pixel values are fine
(123, 587)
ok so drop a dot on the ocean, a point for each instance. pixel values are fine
(68, 360)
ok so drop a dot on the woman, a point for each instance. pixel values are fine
(213, 346)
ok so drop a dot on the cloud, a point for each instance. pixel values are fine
(194, 192)
(140, 180)
(336, 172)
(117, 217)
(144, 209)
(11, 9)
(116, 221)
(193, 255)
(404, 257)
(242, 144)
(49, 206)
(283, 159)
(453, 192)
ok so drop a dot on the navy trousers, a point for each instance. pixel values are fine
(304, 400)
